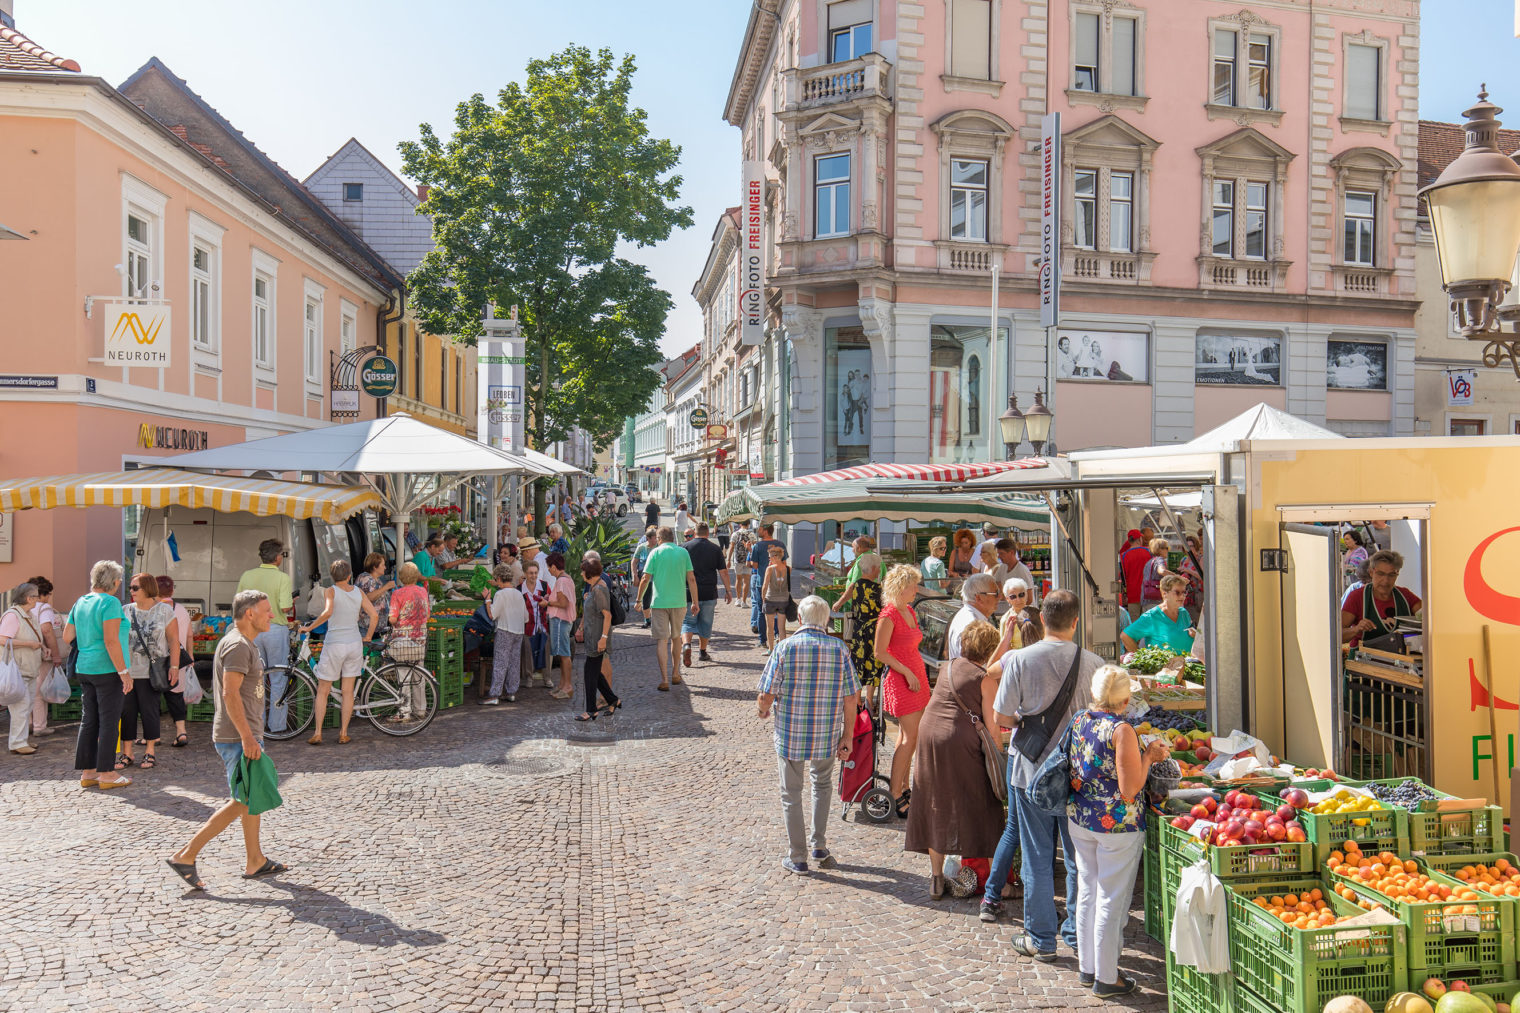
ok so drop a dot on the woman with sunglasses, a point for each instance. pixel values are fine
(151, 635)
(1022, 615)
(1165, 625)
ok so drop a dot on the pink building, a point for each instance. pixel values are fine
(145, 197)
(1237, 201)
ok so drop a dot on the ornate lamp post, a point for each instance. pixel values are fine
(1013, 425)
(1033, 425)
(1475, 214)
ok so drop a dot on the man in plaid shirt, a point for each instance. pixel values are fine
(811, 683)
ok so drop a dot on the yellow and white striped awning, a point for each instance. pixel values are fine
(160, 487)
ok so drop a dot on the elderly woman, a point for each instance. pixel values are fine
(1022, 618)
(933, 567)
(375, 587)
(409, 613)
(152, 636)
(1106, 818)
(1165, 625)
(905, 689)
(956, 811)
(1371, 611)
(20, 633)
(97, 626)
(963, 559)
(557, 541)
(175, 698)
(863, 600)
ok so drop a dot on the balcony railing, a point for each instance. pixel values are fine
(1251, 275)
(835, 83)
(1353, 279)
(1117, 266)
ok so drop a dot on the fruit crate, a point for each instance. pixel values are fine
(1502, 991)
(1463, 832)
(71, 709)
(1152, 862)
(1384, 829)
(203, 711)
(1302, 969)
(450, 691)
(1279, 859)
(1191, 991)
(1482, 945)
(1449, 864)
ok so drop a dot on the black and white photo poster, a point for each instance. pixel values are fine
(1356, 365)
(1121, 356)
(1236, 359)
(853, 414)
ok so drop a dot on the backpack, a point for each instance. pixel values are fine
(1150, 580)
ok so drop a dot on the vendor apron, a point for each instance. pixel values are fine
(1369, 611)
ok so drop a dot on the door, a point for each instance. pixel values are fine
(1311, 644)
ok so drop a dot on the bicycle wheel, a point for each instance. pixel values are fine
(401, 699)
(290, 701)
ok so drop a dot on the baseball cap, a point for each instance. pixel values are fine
(1133, 534)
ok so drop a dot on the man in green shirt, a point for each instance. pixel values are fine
(426, 555)
(274, 643)
(673, 583)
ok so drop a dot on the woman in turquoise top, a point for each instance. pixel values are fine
(933, 566)
(1167, 624)
(97, 627)
(1106, 817)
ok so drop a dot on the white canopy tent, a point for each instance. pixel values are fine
(406, 462)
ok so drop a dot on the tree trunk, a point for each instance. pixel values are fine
(539, 526)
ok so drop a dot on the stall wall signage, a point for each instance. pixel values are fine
(1459, 387)
(1050, 219)
(378, 376)
(138, 335)
(28, 383)
(752, 256)
(169, 438)
(500, 379)
(697, 418)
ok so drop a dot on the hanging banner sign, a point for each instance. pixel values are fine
(752, 256)
(138, 335)
(1050, 219)
(499, 379)
(378, 376)
(345, 399)
(697, 418)
(1459, 387)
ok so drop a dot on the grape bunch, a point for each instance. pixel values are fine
(1407, 795)
(1172, 720)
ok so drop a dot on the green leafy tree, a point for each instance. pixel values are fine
(531, 200)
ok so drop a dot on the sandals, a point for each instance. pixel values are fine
(315, 740)
(180, 740)
(901, 805)
(149, 762)
(608, 710)
(269, 868)
(344, 740)
(123, 761)
(186, 871)
(120, 782)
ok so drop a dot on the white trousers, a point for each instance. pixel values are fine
(1106, 866)
(21, 714)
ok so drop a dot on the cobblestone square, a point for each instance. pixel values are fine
(505, 858)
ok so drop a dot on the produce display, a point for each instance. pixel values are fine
(1302, 911)
(1397, 879)
(1408, 795)
(1239, 819)
(1343, 802)
(1149, 660)
(1501, 879)
(1158, 719)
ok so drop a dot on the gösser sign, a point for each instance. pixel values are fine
(138, 335)
(377, 375)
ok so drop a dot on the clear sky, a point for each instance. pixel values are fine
(300, 77)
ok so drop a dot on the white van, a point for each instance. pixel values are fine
(215, 549)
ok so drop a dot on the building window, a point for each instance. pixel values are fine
(202, 297)
(1259, 72)
(971, 39)
(1364, 78)
(850, 42)
(263, 319)
(139, 255)
(443, 380)
(847, 397)
(348, 333)
(1467, 427)
(831, 195)
(1224, 218)
(958, 393)
(1224, 68)
(313, 339)
(968, 199)
(1121, 212)
(353, 191)
(1085, 73)
(459, 384)
(1105, 53)
(1086, 221)
(417, 350)
(1361, 228)
(1256, 221)
(1243, 68)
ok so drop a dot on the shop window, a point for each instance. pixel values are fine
(1469, 427)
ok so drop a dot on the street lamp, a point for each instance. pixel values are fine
(1013, 424)
(1038, 419)
(1474, 210)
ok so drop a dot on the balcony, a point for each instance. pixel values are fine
(1114, 267)
(967, 258)
(1243, 275)
(1361, 280)
(836, 83)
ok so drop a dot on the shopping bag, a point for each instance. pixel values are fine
(190, 686)
(55, 686)
(12, 686)
(255, 784)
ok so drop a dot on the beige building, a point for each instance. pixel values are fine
(1442, 355)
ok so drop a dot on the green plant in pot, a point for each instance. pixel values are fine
(604, 534)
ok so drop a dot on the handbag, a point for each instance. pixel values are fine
(158, 668)
(54, 687)
(791, 609)
(1035, 730)
(994, 760)
(12, 687)
(255, 783)
(1050, 787)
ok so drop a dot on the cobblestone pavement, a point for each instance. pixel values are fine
(505, 858)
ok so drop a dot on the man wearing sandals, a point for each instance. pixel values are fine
(237, 730)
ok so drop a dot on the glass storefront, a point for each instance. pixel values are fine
(960, 370)
(847, 373)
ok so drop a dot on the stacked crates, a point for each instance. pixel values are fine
(445, 658)
(71, 709)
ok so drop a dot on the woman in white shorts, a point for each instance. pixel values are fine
(343, 647)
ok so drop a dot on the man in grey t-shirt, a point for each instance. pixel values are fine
(1032, 679)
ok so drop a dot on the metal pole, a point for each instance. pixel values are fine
(995, 366)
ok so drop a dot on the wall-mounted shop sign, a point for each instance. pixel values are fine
(378, 376)
(169, 438)
(138, 334)
(697, 418)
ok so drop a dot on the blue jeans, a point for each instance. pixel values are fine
(274, 649)
(1037, 833)
(755, 604)
(540, 643)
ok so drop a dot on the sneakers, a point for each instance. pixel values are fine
(1086, 979)
(490, 701)
(703, 655)
(1124, 986)
(990, 910)
(801, 868)
(1024, 945)
(511, 698)
(825, 858)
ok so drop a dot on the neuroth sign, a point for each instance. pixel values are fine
(138, 334)
(752, 256)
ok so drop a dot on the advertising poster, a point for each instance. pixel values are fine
(1356, 365)
(1233, 359)
(1121, 356)
(853, 399)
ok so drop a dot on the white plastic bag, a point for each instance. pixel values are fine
(190, 686)
(54, 686)
(12, 686)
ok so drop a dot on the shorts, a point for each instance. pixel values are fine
(559, 638)
(775, 608)
(340, 661)
(701, 623)
(663, 623)
(231, 753)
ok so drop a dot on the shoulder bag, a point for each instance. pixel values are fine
(1050, 787)
(1035, 730)
(158, 668)
(994, 759)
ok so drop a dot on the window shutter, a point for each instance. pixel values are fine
(1362, 82)
(971, 39)
(1124, 82)
(1087, 40)
(845, 13)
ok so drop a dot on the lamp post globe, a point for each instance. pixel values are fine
(1012, 424)
(1474, 210)
(1038, 420)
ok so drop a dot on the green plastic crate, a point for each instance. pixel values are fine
(1279, 860)
(450, 691)
(1483, 943)
(1151, 860)
(1247, 1001)
(1464, 832)
(1384, 830)
(1302, 969)
(1502, 991)
(1448, 864)
(1191, 991)
(203, 711)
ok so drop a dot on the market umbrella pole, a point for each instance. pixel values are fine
(1493, 721)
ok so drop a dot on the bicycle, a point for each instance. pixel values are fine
(399, 698)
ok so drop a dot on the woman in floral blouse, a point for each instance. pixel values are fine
(1106, 817)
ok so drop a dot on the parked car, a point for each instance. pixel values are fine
(607, 499)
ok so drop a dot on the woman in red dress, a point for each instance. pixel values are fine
(905, 689)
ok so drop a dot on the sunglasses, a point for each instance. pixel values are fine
(135, 587)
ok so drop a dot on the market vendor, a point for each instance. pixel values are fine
(1372, 609)
(1164, 625)
(427, 556)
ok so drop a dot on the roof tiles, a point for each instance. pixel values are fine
(17, 52)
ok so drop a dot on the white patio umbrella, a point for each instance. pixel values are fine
(405, 461)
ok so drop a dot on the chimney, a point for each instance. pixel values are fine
(7, 13)
(422, 188)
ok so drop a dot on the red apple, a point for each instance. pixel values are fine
(1204, 753)
(1294, 825)
(1183, 822)
(1250, 837)
(1199, 812)
(1459, 986)
(1211, 802)
(1296, 797)
(1234, 828)
(1254, 826)
(1285, 813)
(1296, 834)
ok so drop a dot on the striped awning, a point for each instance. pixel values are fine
(161, 487)
(948, 473)
(854, 499)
